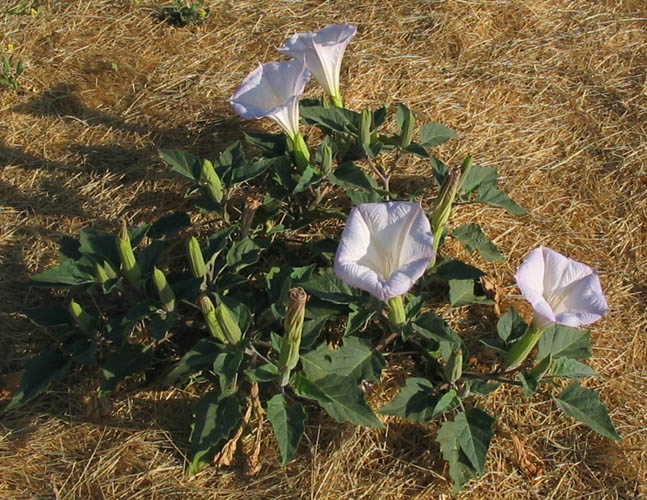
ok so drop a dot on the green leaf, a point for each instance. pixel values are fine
(215, 418)
(253, 169)
(569, 368)
(48, 316)
(185, 164)
(288, 422)
(263, 373)
(416, 149)
(67, 273)
(226, 367)
(39, 373)
(129, 360)
(430, 326)
(529, 384)
(310, 177)
(350, 176)
(357, 320)
(333, 118)
(492, 195)
(357, 197)
(483, 387)
(148, 257)
(511, 326)
(418, 402)
(169, 224)
(245, 252)
(565, 342)
(328, 286)
(100, 244)
(451, 269)
(461, 293)
(472, 236)
(585, 405)
(355, 359)
(479, 176)
(340, 396)
(270, 144)
(464, 444)
(311, 331)
(434, 134)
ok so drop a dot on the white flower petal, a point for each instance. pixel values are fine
(392, 240)
(272, 90)
(530, 274)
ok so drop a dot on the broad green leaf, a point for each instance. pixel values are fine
(430, 326)
(129, 360)
(254, 168)
(416, 149)
(67, 273)
(357, 197)
(585, 405)
(169, 224)
(312, 329)
(461, 293)
(161, 323)
(529, 384)
(263, 373)
(185, 164)
(472, 236)
(434, 134)
(451, 269)
(270, 144)
(215, 418)
(288, 422)
(245, 252)
(355, 359)
(333, 118)
(511, 326)
(483, 387)
(569, 368)
(48, 316)
(565, 342)
(100, 244)
(479, 176)
(328, 286)
(350, 176)
(492, 195)
(310, 177)
(464, 444)
(226, 366)
(357, 320)
(39, 373)
(340, 396)
(148, 257)
(418, 401)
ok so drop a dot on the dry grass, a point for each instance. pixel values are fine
(551, 92)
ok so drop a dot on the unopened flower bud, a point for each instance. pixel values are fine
(100, 273)
(212, 181)
(198, 267)
(454, 366)
(365, 128)
(251, 205)
(82, 319)
(129, 266)
(228, 326)
(166, 295)
(293, 325)
(445, 200)
(326, 158)
(209, 314)
(407, 122)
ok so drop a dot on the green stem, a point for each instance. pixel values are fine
(522, 347)
(396, 311)
(337, 101)
(301, 152)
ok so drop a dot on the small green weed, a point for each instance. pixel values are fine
(10, 73)
(183, 13)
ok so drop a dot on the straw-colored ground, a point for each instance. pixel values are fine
(551, 92)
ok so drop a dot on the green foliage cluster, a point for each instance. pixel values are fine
(183, 13)
(140, 312)
(11, 71)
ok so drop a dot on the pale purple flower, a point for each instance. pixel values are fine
(560, 289)
(322, 53)
(272, 91)
(385, 248)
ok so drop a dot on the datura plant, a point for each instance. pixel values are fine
(265, 309)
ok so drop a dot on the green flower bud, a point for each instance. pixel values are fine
(129, 266)
(212, 181)
(407, 121)
(228, 326)
(293, 325)
(365, 128)
(82, 319)
(100, 273)
(454, 366)
(326, 157)
(209, 314)
(198, 267)
(166, 295)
